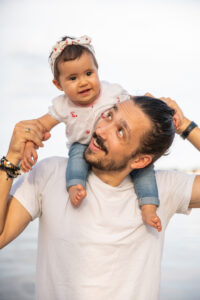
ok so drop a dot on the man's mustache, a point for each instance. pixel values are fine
(100, 142)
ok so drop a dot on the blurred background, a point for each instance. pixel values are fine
(146, 46)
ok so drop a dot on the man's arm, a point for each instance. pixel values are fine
(194, 139)
(195, 198)
(181, 123)
(13, 216)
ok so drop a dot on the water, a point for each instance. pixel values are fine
(180, 268)
(181, 260)
(17, 266)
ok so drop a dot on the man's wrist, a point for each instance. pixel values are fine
(188, 130)
(185, 123)
(11, 170)
(13, 159)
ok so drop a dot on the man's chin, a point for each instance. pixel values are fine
(87, 154)
(101, 163)
(91, 159)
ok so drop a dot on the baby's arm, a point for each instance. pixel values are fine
(30, 154)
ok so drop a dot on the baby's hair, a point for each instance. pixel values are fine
(70, 52)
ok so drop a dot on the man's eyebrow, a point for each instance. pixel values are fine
(123, 122)
(125, 125)
(115, 107)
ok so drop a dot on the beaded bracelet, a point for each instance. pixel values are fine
(11, 170)
(187, 131)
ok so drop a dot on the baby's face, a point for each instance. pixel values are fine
(79, 80)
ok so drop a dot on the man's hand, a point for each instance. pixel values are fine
(180, 122)
(25, 131)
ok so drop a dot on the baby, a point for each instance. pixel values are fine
(84, 101)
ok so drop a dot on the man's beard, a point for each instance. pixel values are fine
(105, 163)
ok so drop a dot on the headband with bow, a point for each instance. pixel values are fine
(84, 41)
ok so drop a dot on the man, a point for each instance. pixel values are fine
(102, 250)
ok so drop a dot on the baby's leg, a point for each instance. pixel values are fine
(146, 189)
(76, 174)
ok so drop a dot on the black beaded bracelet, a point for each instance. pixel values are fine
(187, 131)
(11, 170)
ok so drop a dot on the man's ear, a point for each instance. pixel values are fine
(141, 161)
(57, 84)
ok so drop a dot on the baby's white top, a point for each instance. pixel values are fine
(81, 120)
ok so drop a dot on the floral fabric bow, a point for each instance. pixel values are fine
(84, 41)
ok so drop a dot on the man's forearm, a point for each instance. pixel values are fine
(23, 132)
(6, 180)
(194, 138)
(181, 124)
(5, 186)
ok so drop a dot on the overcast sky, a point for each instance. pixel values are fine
(145, 46)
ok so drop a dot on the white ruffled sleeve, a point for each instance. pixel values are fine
(59, 108)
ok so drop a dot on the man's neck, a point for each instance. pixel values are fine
(113, 178)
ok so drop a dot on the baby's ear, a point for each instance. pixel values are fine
(57, 84)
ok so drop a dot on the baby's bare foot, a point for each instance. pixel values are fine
(76, 194)
(150, 217)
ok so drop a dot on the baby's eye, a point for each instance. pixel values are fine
(72, 78)
(88, 73)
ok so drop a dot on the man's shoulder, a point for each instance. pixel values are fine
(50, 166)
(172, 174)
(53, 160)
(172, 182)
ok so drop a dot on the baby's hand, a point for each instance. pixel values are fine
(29, 157)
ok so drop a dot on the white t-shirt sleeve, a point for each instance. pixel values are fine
(28, 189)
(59, 108)
(175, 189)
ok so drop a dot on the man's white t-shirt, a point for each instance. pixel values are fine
(101, 250)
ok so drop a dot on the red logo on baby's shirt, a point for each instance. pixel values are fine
(73, 114)
(87, 131)
(118, 99)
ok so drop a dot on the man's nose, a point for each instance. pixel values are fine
(103, 129)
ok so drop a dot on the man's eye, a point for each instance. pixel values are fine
(72, 78)
(88, 73)
(109, 116)
(121, 132)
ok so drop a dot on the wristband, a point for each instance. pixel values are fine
(187, 131)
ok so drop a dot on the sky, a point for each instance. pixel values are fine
(144, 45)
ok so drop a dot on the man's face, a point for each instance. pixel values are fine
(117, 137)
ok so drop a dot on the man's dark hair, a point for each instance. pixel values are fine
(71, 52)
(157, 140)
